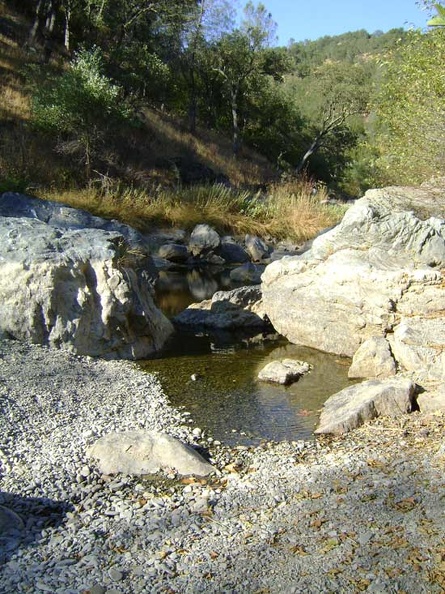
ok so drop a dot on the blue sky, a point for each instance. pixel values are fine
(306, 19)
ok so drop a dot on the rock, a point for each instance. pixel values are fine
(432, 401)
(62, 216)
(203, 240)
(9, 521)
(373, 359)
(256, 247)
(247, 273)
(284, 372)
(239, 308)
(419, 344)
(232, 252)
(353, 406)
(146, 452)
(76, 288)
(380, 269)
(174, 252)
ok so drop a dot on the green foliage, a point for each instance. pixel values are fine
(410, 110)
(79, 107)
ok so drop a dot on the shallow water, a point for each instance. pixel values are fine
(228, 400)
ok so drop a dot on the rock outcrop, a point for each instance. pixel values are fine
(379, 273)
(81, 288)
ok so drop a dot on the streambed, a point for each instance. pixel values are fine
(215, 378)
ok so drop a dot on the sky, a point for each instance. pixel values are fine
(306, 19)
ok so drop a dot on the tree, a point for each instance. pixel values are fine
(238, 60)
(410, 110)
(79, 107)
(329, 98)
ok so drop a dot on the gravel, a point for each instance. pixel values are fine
(364, 512)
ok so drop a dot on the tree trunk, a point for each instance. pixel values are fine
(235, 123)
(35, 26)
(67, 29)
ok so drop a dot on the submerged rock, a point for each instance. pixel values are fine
(284, 372)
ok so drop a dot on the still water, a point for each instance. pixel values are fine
(225, 398)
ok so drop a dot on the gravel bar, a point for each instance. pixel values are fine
(361, 513)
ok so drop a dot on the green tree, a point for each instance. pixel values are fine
(410, 110)
(80, 107)
(238, 60)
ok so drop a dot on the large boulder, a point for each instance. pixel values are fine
(357, 404)
(79, 288)
(380, 272)
(146, 452)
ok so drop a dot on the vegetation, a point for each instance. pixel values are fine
(151, 109)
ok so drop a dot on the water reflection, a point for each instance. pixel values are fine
(228, 399)
(177, 288)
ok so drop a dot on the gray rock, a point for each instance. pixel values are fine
(146, 452)
(203, 240)
(239, 308)
(232, 252)
(433, 400)
(379, 269)
(76, 288)
(353, 406)
(62, 216)
(373, 359)
(284, 372)
(173, 252)
(256, 247)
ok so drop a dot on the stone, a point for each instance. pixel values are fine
(232, 252)
(433, 400)
(82, 289)
(257, 248)
(203, 239)
(374, 275)
(373, 359)
(174, 252)
(239, 308)
(353, 406)
(146, 452)
(284, 372)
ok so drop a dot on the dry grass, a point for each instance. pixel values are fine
(287, 211)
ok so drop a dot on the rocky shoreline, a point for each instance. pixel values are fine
(361, 512)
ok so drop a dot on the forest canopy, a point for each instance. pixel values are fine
(352, 110)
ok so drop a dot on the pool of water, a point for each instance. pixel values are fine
(228, 401)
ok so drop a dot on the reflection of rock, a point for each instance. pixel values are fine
(201, 285)
(247, 273)
(146, 452)
(357, 404)
(173, 252)
(284, 372)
